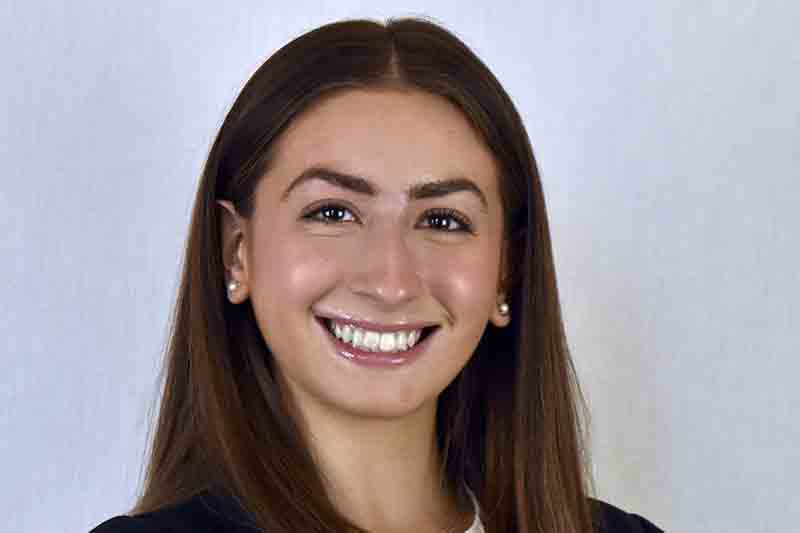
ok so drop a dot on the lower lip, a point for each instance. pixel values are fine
(376, 359)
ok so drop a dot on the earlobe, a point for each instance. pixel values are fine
(501, 315)
(234, 256)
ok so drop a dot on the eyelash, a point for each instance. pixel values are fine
(465, 225)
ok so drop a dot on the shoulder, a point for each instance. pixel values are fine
(610, 519)
(124, 524)
(203, 513)
(209, 513)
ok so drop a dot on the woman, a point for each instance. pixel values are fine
(368, 334)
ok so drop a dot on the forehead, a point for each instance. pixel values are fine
(395, 137)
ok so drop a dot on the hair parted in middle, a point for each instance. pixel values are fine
(509, 426)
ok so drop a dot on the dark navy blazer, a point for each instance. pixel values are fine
(208, 513)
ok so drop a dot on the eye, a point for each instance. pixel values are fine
(330, 214)
(448, 221)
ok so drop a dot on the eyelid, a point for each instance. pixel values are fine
(448, 212)
(314, 209)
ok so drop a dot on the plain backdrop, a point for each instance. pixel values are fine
(668, 137)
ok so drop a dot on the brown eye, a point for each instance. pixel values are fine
(447, 221)
(330, 214)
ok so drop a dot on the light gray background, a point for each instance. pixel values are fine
(668, 139)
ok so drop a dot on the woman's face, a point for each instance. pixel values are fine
(380, 212)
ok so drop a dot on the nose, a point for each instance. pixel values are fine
(386, 271)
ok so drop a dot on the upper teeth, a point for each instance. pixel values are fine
(375, 341)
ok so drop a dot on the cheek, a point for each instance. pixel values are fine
(293, 270)
(288, 276)
(469, 282)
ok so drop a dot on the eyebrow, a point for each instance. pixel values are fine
(357, 184)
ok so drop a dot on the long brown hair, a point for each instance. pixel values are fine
(509, 425)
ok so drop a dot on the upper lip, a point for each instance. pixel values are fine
(387, 328)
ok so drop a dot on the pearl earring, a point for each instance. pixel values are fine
(233, 285)
(503, 309)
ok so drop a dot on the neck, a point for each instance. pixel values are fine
(385, 474)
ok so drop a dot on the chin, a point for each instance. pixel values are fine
(382, 401)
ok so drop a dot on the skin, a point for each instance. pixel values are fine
(383, 259)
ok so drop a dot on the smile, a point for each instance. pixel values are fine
(375, 341)
(389, 345)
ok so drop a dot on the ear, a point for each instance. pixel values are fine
(234, 251)
(498, 319)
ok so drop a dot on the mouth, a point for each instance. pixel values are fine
(390, 346)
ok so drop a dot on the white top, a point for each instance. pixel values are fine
(477, 525)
